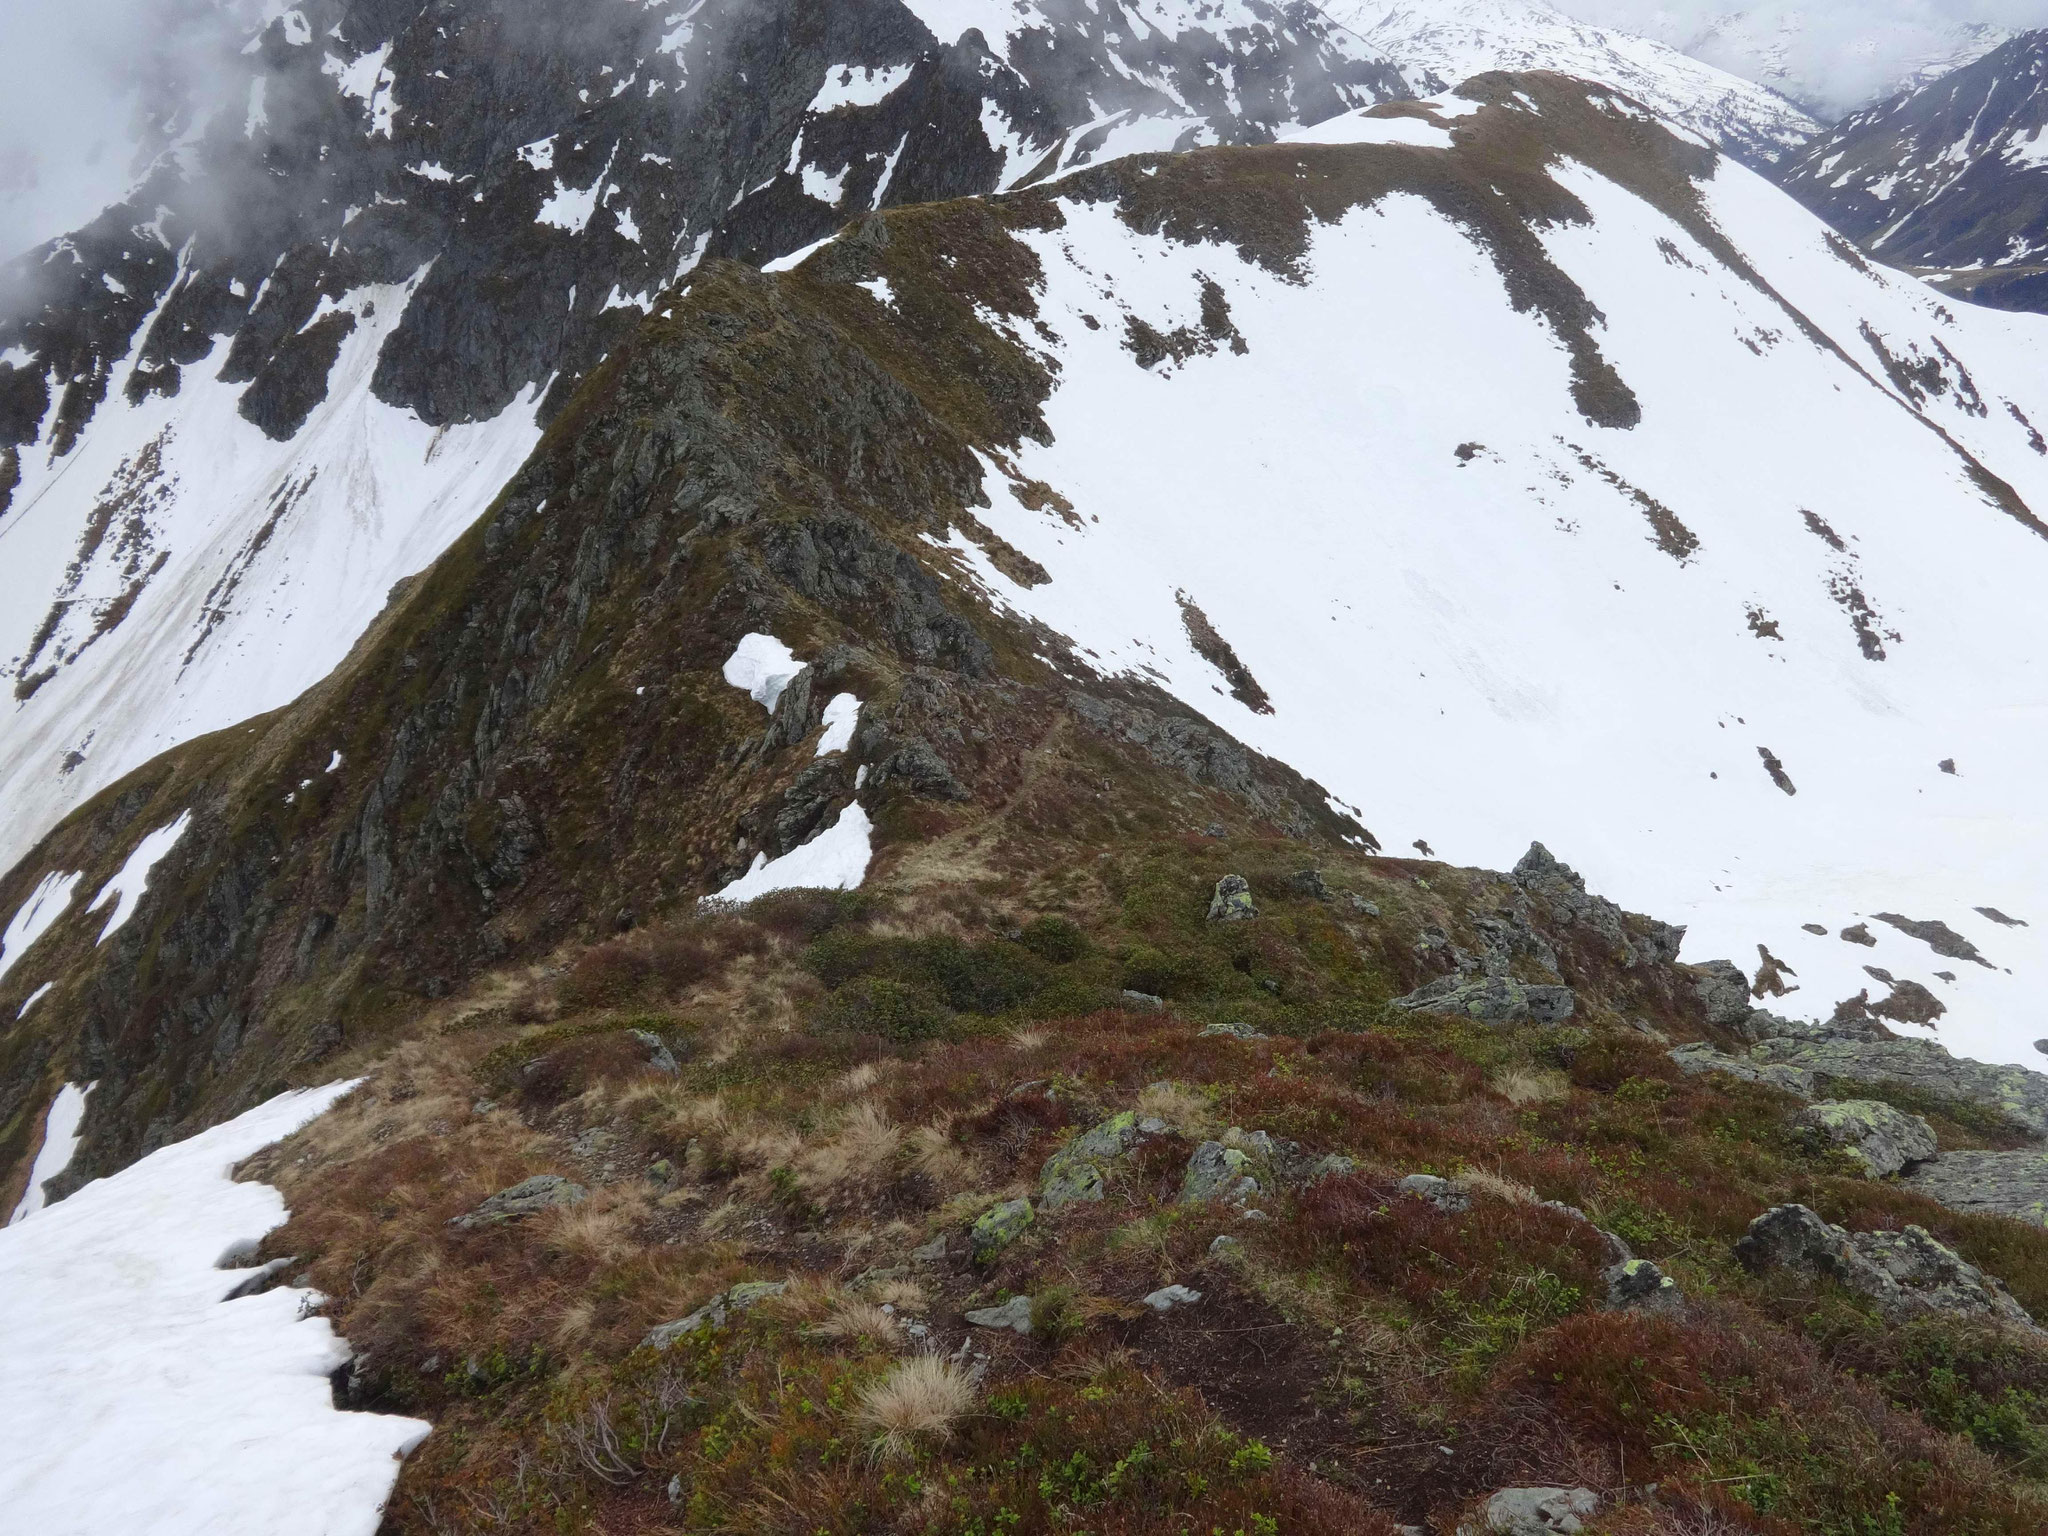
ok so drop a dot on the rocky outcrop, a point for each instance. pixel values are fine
(1807, 1065)
(1080, 1169)
(1534, 1512)
(2013, 1184)
(1881, 1139)
(1907, 1274)
(529, 1197)
(1492, 1000)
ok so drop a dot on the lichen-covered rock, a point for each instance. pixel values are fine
(715, 1313)
(1639, 1285)
(1444, 1194)
(1492, 1000)
(528, 1197)
(1534, 1512)
(1908, 1274)
(1804, 1064)
(1883, 1140)
(2013, 1184)
(998, 1227)
(1218, 1172)
(1232, 902)
(1080, 1169)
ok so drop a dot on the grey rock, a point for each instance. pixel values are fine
(1144, 1002)
(528, 1197)
(715, 1313)
(1444, 1194)
(1166, 1298)
(1805, 1066)
(1232, 902)
(1014, 1314)
(1331, 1166)
(1639, 1285)
(2013, 1184)
(1534, 1512)
(998, 1227)
(1562, 894)
(1234, 1031)
(933, 1252)
(1309, 882)
(1225, 1247)
(1492, 1000)
(1908, 1274)
(1723, 991)
(1361, 906)
(1080, 1169)
(658, 1055)
(1883, 1140)
(1216, 1172)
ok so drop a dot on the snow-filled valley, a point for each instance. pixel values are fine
(1482, 620)
(134, 1396)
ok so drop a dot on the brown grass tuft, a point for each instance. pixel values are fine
(920, 1399)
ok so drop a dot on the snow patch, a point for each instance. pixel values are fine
(133, 878)
(45, 904)
(60, 1143)
(118, 1353)
(1364, 128)
(850, 85)
(33, 998)
(835, 860)
(761, 667)
(841, 716)
(796, 259)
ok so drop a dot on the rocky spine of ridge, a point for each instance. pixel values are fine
(1948, 178)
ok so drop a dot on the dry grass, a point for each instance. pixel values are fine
(934, 1154)
(1185, 1109)
(602, 1229)
(920, 1399)
(861, 1323)
(1532, 1085)
(862, 1153)
(1485, 1182)
(1028, 1039)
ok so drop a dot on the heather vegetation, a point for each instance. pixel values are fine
(784, 1120)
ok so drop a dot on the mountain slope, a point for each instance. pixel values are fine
(306, 352)
(1950, 179)
(1446, 41)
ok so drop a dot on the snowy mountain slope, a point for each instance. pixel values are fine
(307, 350)
(1786, 546)
(1831, 66)
(1951, 178)
(130, 1384)
(1450, 40)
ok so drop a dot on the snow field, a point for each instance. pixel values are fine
(134, 1398)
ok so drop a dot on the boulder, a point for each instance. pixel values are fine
(1225, 1247)
(1723, 991)
(1444, 1194)
(1143, 1002)
(715, 1313)
(659, 1056)
(528, 1197)
(1080, 1169)
(1492, 1000)
(1639, 1285)
(1309, 883)
(998, 1227)
(2013, 1184)
(1908, 1274)
(1232, 902)
(1881, 1139)
(1217, 1172)
(1014, 1314)
(1533, 1512)
(1233, 1031)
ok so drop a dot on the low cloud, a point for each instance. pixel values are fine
(1835, 55)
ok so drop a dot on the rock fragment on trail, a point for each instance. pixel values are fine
(1534, 1512)
(528, 1197)
(1882, 1139)
(1014, 1314)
